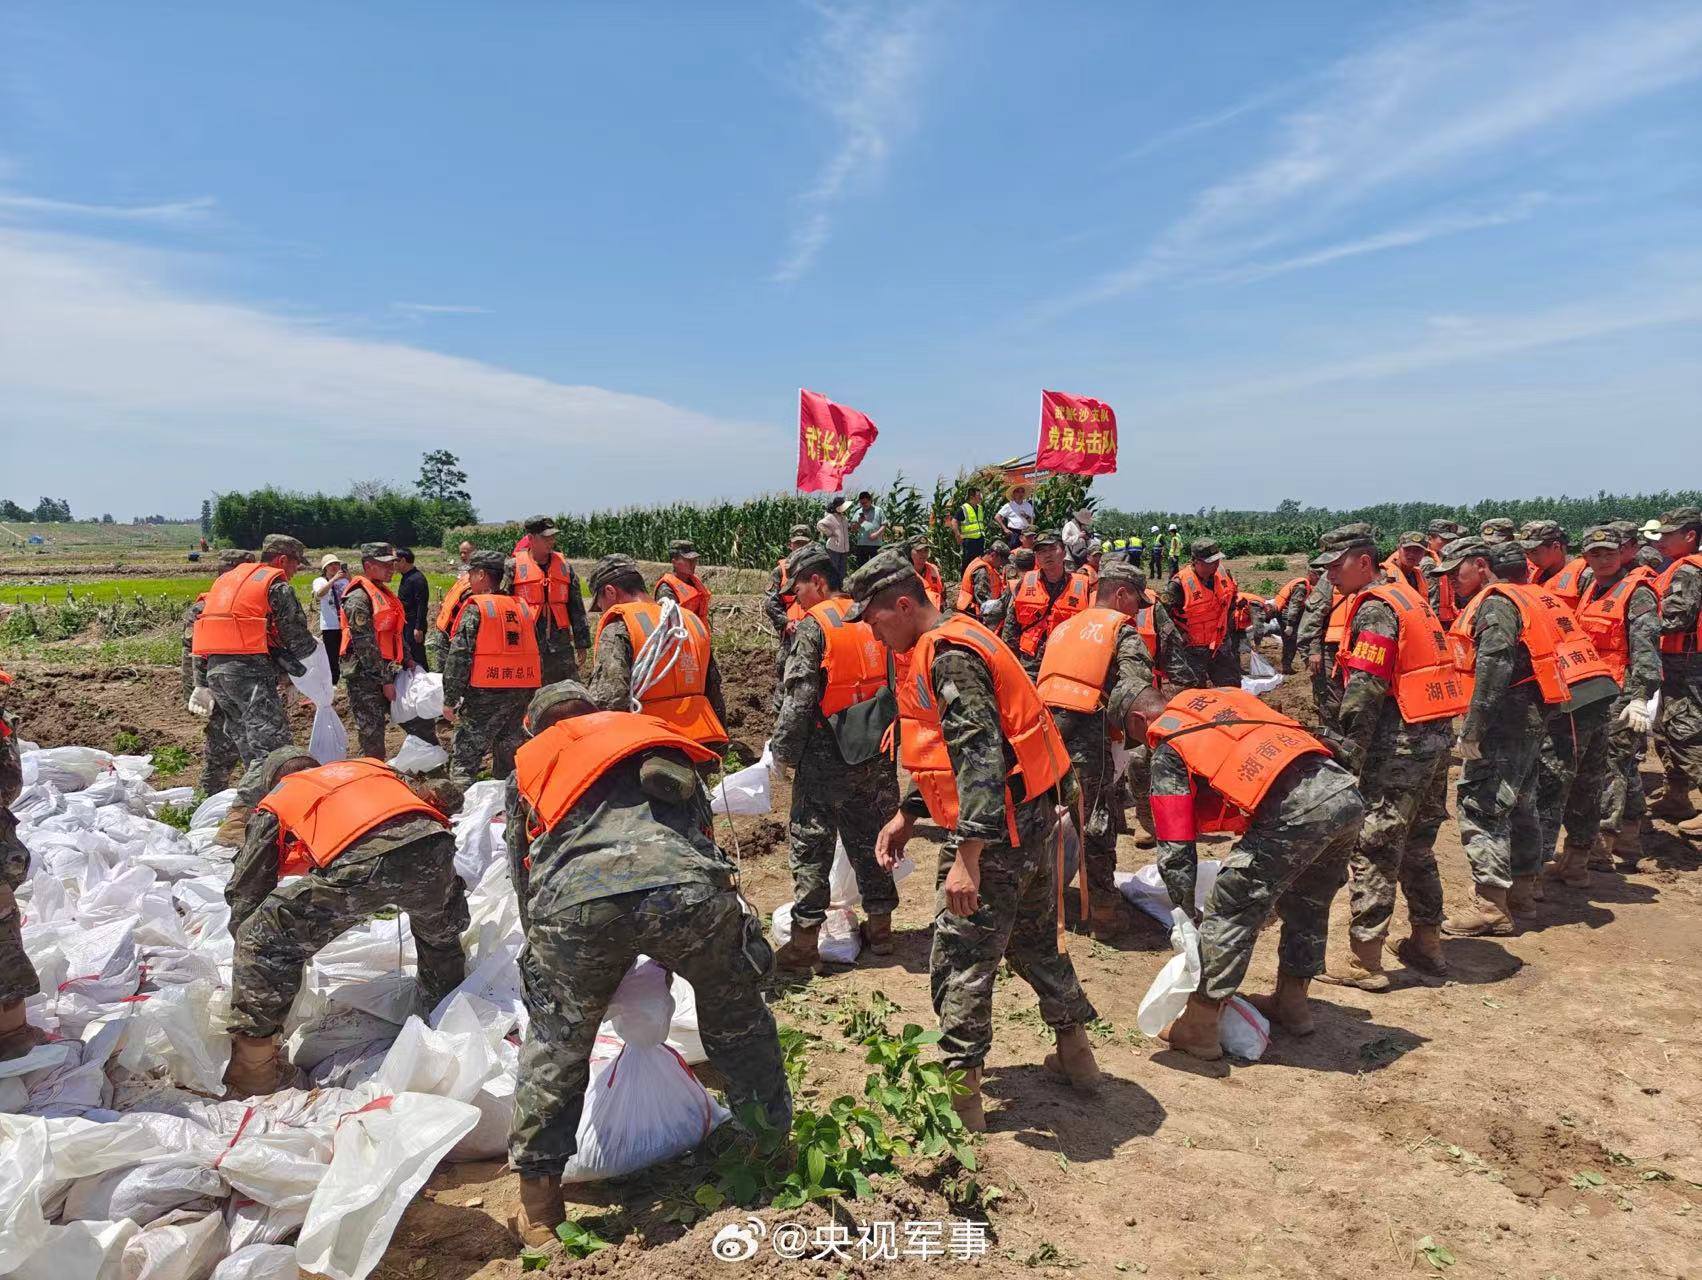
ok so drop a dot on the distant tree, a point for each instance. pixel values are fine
(441, 478)
(10, 510)
(52, 510)
(107, 518)
(206, 517)
(370, 490)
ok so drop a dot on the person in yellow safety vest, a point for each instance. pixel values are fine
(1155, 554)
(970, 526)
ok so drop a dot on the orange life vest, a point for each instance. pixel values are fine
(1690, 641)
(1078, 658)
(1038, 613)
(449, 612)
(1237, 762)
(1567, 582)
(1146, 626)
(1447, 608)
(1604, 617)
(678, 698)
(553, 770)
(854, 662)
(1575, 656)
(544, 588)
(505, 655)
(1206, 610)
(1398, 572)
(1090, 573)
(692, 596)
(236, 616)
(1335, 630)
(933, 586)
(389, 619)
(323, 811)
(794, 611)
(1426, 683)
(1287, 592)
(1024, 723)
(1560, 657)
(966, 587)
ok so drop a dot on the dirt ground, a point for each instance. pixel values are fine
(1534, 1116)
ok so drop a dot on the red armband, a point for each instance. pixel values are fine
(1370, 653)
(1173, 818)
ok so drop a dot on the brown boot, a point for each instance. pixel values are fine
(1364, 970)
(540, 1211)
(1571, 866)
(799, 953)
(1628, 845)
(1487, 916)
(1691, 828)
(254, 1067)
(1677, 804)
(968, 1105)
(1287, 1006)
(1600, 855)
(17, 1036)
(1145, 840)
(1195, 1032)
(877, 933)
(1074, 1060)
(1423, 950)
(234, 829)
(1521, 898)
(1106, 918)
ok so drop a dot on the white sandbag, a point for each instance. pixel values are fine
(842, 890)
(1261, 676)
(144, 1192)
(643, 1105)
(315, 684)
(181, 1246)
(478, 833)
(101, 962)
(173, 1030)
(747, 792)
(451, 1061)
(385, 1152)
(683, 1034)
(1145, 888)
(368, 967)
(419, 696)
(328, 740)
(212, 811)
(23, 1185)
(66, 768)
(839, 942)
(1242, 1029)
(86, 1250)
(259, 1262)
(418, 756)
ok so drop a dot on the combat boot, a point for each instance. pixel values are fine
(1521, 898)
(968, 1105)
(1106, 919)
(1577, 859)
(1600, 857)
(1074, 1060)
(1691, 828)
(1287, 1006)
(1423, 950)
(1677, 804)
(540, 1212)
(1487, 916)
(1628, 845)
(17, 1036)
(1364, 970)
(1195, 1032)
(877, 933)
(254, 1067)
(234, 829)
(799, 953)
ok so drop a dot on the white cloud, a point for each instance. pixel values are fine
(863, 69)
(420, 309)
(171, 213)
(1206, 123)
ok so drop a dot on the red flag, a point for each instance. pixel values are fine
(1078, 434)
(832, 440)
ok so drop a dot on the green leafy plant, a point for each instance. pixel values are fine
(1436, 1255)
(1272, 564)
(126, 743)
(175, 815)
(170, 760)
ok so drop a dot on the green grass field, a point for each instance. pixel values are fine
(152, 590)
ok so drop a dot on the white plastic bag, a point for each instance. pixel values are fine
(315, 684)
(259, 1262)
(839, 942)
(419, 696)
(328, 740)
(213, 810)
(179, 1246)
(418, 756)
(842, 890)
(1242, 1029)
(683, 1033)
(1145, 888)
(1261, 676)
(747, 792)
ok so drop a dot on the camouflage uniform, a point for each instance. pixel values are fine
(18, 978)
(1572, 765)
(220, 756)
(1016, 919)
(831, 800)
(611, 674)
(366, 673)
(487, 721)
(1205, 667)
(245, 688)
(1292, 859)
(1010, 630)
(1292, 611)
(557, 646)
(1311, 641)
(407, 862)
(626, 873)
(1178, 670)
(1622, 792)
(1678, 733)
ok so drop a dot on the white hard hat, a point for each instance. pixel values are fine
(1155, 528)
(1173, 528)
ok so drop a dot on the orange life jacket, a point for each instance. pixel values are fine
(1567, 582)
(1398, 572)
(1037, 613)
(678, 698)
(1206, 610)
(505, 655)
(693, 596)
(1244, 606)
(1604, 617)
(1447, 608)
(553, 770)
(854, 662)
(1426, 683)
(1146, 626)
(1078, 658)
(1238, 763)
(449, 612)
(932, 584)
(323, 811)
(1089, 572)
(966, 587)
(1555, 654)
(1690, 641)
(1024, 723)
(1575, 656)
(389, 619)
(1335, 630)
(544, 587)
(794, 611)
(1288, 590)
(236, 616)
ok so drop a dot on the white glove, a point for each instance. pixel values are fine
(1470, 749)
(201, 703)
(1638, 716)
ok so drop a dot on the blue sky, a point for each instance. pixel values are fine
(1336, 252)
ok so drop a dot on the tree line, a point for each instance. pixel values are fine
(47, 511)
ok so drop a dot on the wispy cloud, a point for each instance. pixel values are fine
(196, 210)
(863, 67)
(421, 309)
(1215, 120)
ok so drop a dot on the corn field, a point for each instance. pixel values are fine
(113, 617)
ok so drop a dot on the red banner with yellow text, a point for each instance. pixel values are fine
(832, 440)
(1078, 434)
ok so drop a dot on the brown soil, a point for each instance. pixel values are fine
(1535, 1116)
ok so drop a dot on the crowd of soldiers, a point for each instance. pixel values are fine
(1054, 689)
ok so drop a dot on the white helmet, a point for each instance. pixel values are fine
(1155, 528)
(1172, 528)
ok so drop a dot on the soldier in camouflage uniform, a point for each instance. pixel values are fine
(1439, 534)
(629, 869)
(407, 862)
(219, 757)
(996, 898)
(487, 721)
(987, 585)
(615, 579)
(1500, 739)
(1290, 862)
(1290, 614)
(369, 677)
(245, 685)
(843, 787)
(1497, 530)
(777, 604)
(18, 980)
(1402, 767)
(563, 648)
(1219, 666)
(1678, 732)
(1318, 651)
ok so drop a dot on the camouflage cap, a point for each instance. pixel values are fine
(1048, 538)
(1680, 519)
(801, 533)
(1340, 541)
(810, 558)
(683, 547)
(1204, 549)
(1497, 529)
(1536, 533)
(281, 544)
(610, 569)
(552, 696)
(1444, 529)
(1121, 572)
(382, 552)
(543, 526)
(491, 562)
(230, 557)
(1506, 555)
(1461, 549)
(283, 761)
(1023, 558)
(1601, 538)
(1628, 530)
(1412, 538)
(886, 570)
(999, 548)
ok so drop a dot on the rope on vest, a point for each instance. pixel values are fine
(659, 653)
